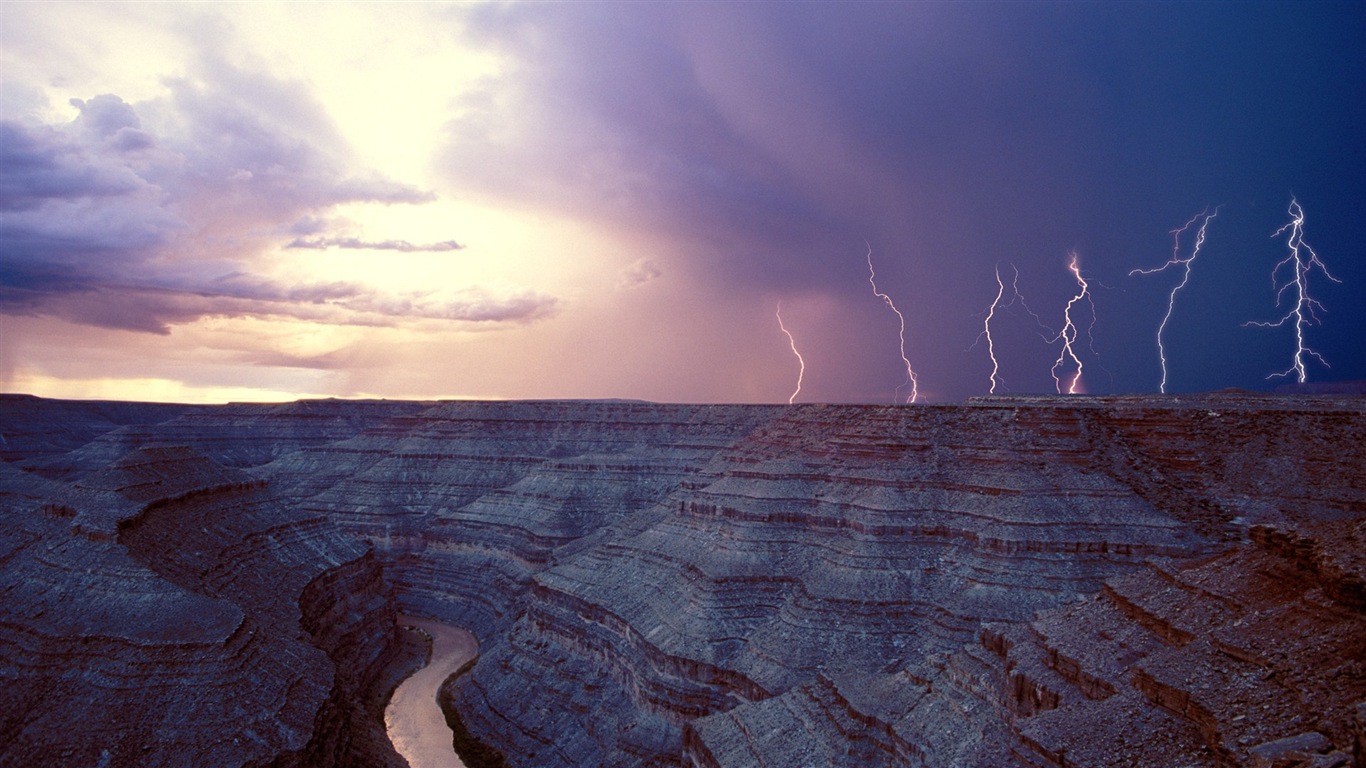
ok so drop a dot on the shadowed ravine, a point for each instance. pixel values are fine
(415, 723)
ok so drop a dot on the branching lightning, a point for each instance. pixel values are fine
(1015, 298)
(1305, 309)
(793, 343)
(1068, 334)
(986, 329)
(910, 373)
(1019, 298)
(1204, 217)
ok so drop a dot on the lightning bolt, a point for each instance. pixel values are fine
(1020, 299)
(1068, 334)
(1305, 309)
(793, 343)
(1015, 298)
(986, 328)
(910, 373)
(1204, 217)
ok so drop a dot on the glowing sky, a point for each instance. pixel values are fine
(204, 202)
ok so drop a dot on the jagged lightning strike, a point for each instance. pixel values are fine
(910, 373)
(1305, 309)
(793, 343)
(1068, 334)
(1015, 298)
(1204, 217)
(986, 329)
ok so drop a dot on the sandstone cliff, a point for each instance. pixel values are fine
(1026, 581)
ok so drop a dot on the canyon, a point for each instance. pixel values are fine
(1010, 581)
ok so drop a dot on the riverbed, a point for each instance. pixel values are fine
(415, 723)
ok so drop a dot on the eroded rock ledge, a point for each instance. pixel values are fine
(1026, 581)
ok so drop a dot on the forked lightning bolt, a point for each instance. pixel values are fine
(1068, 334)
(1015, 298)
(793, 342)
(910, 373)
(986, 329)
(1204, 217)
(1301, 261)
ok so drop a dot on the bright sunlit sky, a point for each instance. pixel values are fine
(257, 201)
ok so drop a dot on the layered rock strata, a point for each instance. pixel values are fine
(165, 611)
(1012, 581)
(833, 540)
(1250, 651)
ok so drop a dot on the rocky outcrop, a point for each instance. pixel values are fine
(1026, 581)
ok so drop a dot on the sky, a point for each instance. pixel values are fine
(256, 201)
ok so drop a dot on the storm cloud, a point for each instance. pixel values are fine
(357, 244)
(106, 222)
(767, 142)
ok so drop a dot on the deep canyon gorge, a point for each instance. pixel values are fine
(1010, 581)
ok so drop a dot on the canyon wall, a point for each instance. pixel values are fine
(1010, 581)
(167, 610)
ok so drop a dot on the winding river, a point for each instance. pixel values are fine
(415, 723)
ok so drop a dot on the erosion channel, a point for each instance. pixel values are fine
(416, 725)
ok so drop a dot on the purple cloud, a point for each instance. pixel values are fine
(355, 243)
(654, 121)
(482, 306)
(43, 164)
(150, 309)
(106, 222)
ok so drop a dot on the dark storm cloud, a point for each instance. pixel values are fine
(104, 222)
(772, 139)
(355, 243)
(72, 218)
(40, 165)
(603, 116)
(149, 308)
